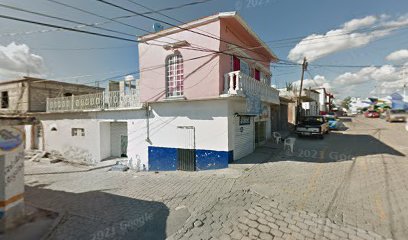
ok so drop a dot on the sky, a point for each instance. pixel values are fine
(354, 48)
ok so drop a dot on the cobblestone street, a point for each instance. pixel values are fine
(351, 185)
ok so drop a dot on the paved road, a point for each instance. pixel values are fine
(351, 185)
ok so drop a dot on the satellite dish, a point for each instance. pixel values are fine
(157, 27)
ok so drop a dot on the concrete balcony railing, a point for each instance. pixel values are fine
(239, 84)
(95, 101)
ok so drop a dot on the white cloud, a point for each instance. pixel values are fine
(317, 82)
(16, 60)
(384, 79)
(351, 35)
(387, 88)
(359, 23)
(385, 73)
(398, 55)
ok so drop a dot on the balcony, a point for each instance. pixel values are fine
(95, 101)
(239, 84)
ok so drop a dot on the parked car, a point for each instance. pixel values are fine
(312, 126)
(396, 115)
(371, 114)
(333, 122)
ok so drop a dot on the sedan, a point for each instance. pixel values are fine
(371, 114)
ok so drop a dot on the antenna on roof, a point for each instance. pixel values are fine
(157, 27)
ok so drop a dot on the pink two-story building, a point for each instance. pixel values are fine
(204, 99)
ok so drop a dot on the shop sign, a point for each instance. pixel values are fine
(244, 120)
(10, 138)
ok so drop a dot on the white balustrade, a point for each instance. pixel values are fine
(95, 101)
(239, 84)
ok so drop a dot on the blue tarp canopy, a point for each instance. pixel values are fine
(397, 101)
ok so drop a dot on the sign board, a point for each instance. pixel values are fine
(244, 120)
(11, 174)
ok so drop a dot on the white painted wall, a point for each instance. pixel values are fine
(209, 117)
(105, 140)
(27, 131)
(84, 149)
(214, 122)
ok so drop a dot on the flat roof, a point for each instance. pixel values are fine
(32, 79)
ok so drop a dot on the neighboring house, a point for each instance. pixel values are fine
(325, 100)
(310, 105)
(309, 102)
(190, 110)
(29, 95)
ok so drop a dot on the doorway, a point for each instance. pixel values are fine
(260, 133)
(118, 139)
(186, 157)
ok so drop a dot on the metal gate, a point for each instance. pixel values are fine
(186, 160)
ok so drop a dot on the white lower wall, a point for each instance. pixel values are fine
(83, 149)
(105, 140)
(28, 136)
(209, 118)
(214, 121)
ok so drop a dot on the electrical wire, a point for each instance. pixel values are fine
(62, 19)
(173, 25)
(66, 28)
(105, 22)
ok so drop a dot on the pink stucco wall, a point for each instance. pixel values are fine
(200, 75)
(203, 77)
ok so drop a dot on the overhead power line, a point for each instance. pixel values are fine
(108, 20)
(66, 28)
(173, 25)
(97, 15)
(81, 49)
(63, 19)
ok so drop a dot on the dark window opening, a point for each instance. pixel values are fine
(4, 100)
(53, 129)
(257, 75)
(78, 132)
(68, 94)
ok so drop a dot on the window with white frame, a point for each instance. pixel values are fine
(174, 75)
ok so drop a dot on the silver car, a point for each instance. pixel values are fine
(396, 115)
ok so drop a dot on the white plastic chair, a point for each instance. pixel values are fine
(290, 142)
(277, 137)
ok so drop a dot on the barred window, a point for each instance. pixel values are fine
(174, 75)
(77, 132)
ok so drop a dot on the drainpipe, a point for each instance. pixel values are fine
(148, 123)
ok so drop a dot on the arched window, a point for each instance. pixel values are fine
(174, 75)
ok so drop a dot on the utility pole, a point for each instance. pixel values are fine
(299, 102)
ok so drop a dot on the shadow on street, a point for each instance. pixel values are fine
(100, 215)
(335, 147)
